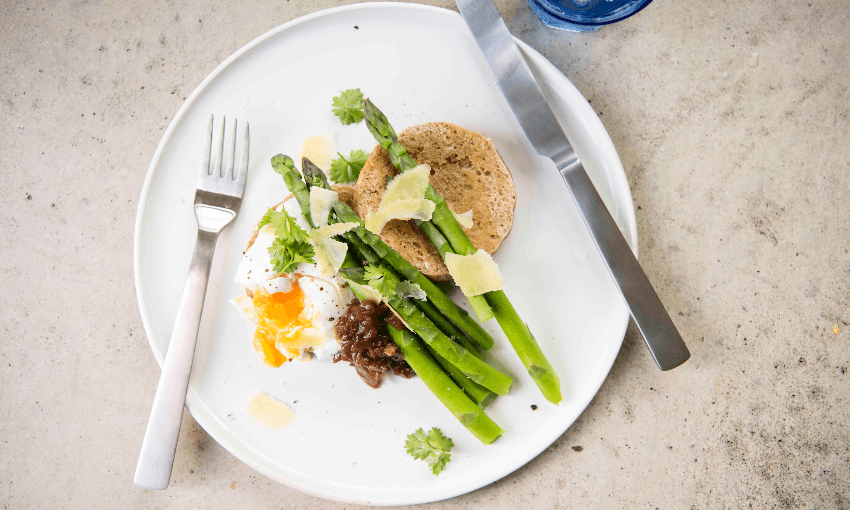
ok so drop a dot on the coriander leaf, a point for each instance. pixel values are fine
(433, 448)
(417, 445)
(285, 226)
(381, 280)
(348, 106)
(439, 462)
(347, 170)
(438, 441)
(285, 255)
(290, 246)
(267, 218)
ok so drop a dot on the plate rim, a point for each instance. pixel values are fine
(193, 404)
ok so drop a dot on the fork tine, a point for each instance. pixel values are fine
(205, 156)
(228, 173)
(220, 154)
(243, 161)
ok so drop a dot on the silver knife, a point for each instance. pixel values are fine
(545, 134)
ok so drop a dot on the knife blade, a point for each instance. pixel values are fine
(544, 132)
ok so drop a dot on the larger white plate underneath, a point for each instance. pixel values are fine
(418, 64)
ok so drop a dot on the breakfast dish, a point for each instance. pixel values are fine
(431, 72)
(293, 270)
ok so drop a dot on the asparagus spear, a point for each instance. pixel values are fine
(409, 272)
(384, 134)
(479, 394)
(314, 176)
(477, 370)
(455, 400)
(515, 329)
(285, 166)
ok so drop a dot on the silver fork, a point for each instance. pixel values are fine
(217, 200)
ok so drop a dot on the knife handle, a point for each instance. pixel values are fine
(658, 331)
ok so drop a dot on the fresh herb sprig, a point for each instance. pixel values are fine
(432, 447)
(290, 246)
(380, 279)
(348, 106)
(347, 170)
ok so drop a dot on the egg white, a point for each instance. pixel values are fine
(325, 299)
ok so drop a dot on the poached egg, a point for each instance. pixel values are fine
(293, 314)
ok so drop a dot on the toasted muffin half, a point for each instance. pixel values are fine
(466, 170)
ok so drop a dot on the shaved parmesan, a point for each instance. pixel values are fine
(475, 274)
(406, 289)
(365, 292)
(404, 199)
(321, 200)
(400, 210)
(410, 184)
(464, 220)
(332, 230)
(269, 411)
(330, 253)
(318, 149)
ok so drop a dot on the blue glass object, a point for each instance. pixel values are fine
(584, 15)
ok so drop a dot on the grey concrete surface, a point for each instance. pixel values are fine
(731, 119)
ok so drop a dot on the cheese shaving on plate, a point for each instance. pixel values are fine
(365, 292)
(464, 220)
(330, 253)
(404, 199)
(475, 274)
(321, 201)
(406, 289)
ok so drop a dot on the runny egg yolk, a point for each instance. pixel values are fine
(279, 322)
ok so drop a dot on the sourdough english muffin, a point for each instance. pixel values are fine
(466, 170)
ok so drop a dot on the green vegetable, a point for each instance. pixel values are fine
(433, 448)
(409, 272)
(405, 289)
(456, 401)
(525, 345)
(457, 355)
(347, 170)
(286, 255)
(314, 176)
(290, 246)
(515, 329)
(284, 225)
(470, 415)
(378, 279)
(386, 136)
(485, 430)
(348, 106)
(477, 393)
(284, 165)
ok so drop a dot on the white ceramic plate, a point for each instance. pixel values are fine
(418, 64)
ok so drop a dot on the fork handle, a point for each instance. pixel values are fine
(153, 470)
